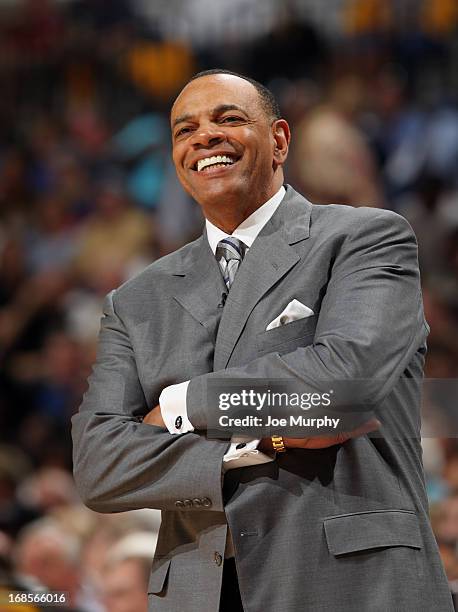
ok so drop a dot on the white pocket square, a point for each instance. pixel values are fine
(294, 311)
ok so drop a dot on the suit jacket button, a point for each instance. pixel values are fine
(179, 503)
(197, 502)
(187, 502)
(178, 422)
(218, 559)
(206, 503)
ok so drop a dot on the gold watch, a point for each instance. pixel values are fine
(278, 444)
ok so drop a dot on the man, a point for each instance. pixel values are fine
(46, 552)
(126, 572)
(337, 522)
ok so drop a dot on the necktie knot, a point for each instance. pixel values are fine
(229, 254)
(230, 248)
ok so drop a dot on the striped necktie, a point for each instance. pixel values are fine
(229, 254)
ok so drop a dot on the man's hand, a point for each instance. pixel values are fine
(323, 441)
(154, 417)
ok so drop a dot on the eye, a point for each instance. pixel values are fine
(182, 131)
(230, 119)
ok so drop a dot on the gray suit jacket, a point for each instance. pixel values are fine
(345, 528)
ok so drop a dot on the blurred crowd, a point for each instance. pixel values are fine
(89, 197)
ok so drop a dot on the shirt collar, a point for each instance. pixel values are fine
(248, 230)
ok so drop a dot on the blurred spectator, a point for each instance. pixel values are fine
(450, 471)
(89, 196)
(446, 521)
(50, 243)
(47, 489)
(48, 553)
(422, 207)
(114, 238)
(333, 163)
(127, 570)
(14, 469)
(102, 534)
(289, 37)
(126, 584)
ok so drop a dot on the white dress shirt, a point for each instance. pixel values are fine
(242, 451)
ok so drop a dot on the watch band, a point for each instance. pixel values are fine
(278, 444)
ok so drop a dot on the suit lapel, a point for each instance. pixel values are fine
(201, 285)
(267, 261)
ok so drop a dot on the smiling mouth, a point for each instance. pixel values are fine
(215, 161)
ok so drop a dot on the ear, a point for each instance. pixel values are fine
(282, 136)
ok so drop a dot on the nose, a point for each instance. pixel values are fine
(208, 135)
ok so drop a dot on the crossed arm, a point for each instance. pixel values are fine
(154, 417)
(369, 327)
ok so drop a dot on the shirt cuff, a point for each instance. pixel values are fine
(172, 401)
(243, 452)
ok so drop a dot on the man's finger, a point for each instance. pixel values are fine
(371, 425)
(338, 438)
(368, 426)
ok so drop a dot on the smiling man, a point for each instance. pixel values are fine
(228, 155)
(274, 288)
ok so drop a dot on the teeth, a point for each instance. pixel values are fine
(210, 161)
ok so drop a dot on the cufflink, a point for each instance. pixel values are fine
(178, 422)
(241, 445)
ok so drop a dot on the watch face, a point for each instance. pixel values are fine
(277, 443)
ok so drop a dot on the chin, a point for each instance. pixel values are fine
(216, 190)
(235, 184)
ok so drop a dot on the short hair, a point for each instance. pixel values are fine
(48, 529)
(267, 98)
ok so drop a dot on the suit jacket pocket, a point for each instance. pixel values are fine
(291, 334)
(158, 576)
(349, 533)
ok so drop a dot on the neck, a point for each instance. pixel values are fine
(229, 218)
(228, 215)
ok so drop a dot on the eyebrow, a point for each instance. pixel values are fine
(221, 108)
